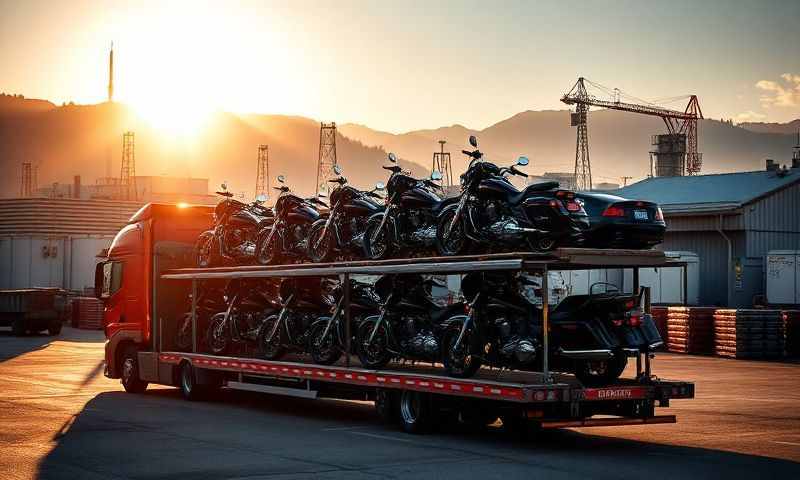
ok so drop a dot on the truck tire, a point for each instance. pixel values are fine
(415, 411)
(190, 389)
(18, 326)
(129, 377)
(386, 405)
(54, 328)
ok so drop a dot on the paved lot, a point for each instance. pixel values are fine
(60, 418)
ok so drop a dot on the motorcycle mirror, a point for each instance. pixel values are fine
(473, 141)
(523, 160)
(337, 169)
(393, 158)
(281, 178)
(261, 198)
(436, 175)
(224, 186)
(380, 186)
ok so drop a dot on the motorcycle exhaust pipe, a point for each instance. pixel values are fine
(602, 354)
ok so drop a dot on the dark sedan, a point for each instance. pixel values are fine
(616, 222)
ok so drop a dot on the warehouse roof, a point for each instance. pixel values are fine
(708, 193)
(62, 216)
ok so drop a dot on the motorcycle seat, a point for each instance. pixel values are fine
(532, 189)
(439, 314)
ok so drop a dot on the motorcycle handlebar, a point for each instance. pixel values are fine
(466, 152)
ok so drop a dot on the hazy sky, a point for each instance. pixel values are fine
(404, 65)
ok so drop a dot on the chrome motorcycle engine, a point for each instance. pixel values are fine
(418, 343)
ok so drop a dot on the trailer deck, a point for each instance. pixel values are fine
(553, 400)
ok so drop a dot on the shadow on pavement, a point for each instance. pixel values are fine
(238, 434)
(12, 346)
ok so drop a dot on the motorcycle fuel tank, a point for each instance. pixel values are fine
(244, 218)
(361, 206)
(496, 188)
(419, 198)
(302, 214)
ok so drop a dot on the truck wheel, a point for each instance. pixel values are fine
(415, 411)
(18, 326)
(190, 390)
(54, 328)
(130, 372)
(386, 405)
(518, 426)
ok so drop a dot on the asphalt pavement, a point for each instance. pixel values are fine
(60, 418)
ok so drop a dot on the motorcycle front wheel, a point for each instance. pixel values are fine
(599, 373)
(380, 247)
(454, 243)
(267, 250)
(217, 335)
(320, 243)
(374, 354)
(204, 250)
(270, 349)
(459, 362)
(324, 351)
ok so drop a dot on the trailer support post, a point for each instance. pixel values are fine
(194, 315)
(345, 279)
(546, 325)
(635, 280)
(685, 284)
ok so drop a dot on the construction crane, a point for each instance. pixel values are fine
(679, 123)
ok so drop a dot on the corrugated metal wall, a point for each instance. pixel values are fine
(773, 223)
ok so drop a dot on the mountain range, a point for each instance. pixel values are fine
(69, 140)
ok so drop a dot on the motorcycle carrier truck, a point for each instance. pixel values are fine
(145, 284)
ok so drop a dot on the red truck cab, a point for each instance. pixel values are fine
(156, 238)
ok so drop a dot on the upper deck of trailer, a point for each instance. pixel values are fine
(559, 259)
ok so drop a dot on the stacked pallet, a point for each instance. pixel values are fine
(690, 329)
(87, 313)
(660, 319)
(791, 326)
(748, 333)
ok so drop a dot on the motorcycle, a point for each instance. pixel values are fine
(233, 238)
(328, 336)
(498, 327)
(409, 324)
(591, 335)
(491, 212)
(210, 300)
(286, 240)
(343, 231)
(250, 302)
(409, 221)
(302, 301)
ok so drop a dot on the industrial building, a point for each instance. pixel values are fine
(731, 221)
(161, 189)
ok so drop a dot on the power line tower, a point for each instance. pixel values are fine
(127, 176)
(327, 155)
(441, 162)
(262, 171)
(26, 187)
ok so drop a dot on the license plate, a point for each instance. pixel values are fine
(640, 215)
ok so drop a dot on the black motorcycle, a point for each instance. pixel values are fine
(286, 240)
(591, 336)
(499, 327)
(409, 222)
(302, 300)
(250, 303)
(342, 233)
(491, 213)
(409, 325)
(328, 337)
(210, 300)
(233, 238)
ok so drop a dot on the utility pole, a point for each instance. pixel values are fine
(111, 74)
(441, 163)
(625, 180)
(262, 171)
(327, 155)
(26, 187)
(127, 176)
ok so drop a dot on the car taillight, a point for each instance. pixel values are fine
(573, 206)
(659, 215)
(614, 211)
